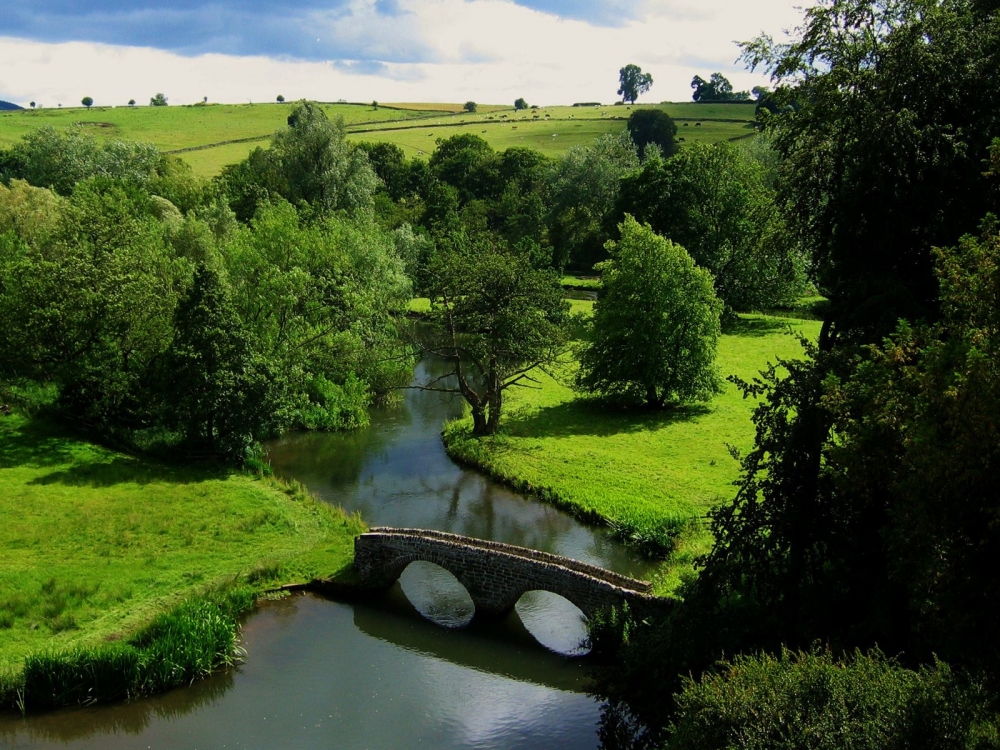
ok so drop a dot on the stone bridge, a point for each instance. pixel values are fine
(495, 574)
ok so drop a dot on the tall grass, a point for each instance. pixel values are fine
(176, 648)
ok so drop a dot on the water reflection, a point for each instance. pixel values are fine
(396, 473)
(326, 674)
(437, 594)
(554, 621)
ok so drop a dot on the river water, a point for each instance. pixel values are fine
(395, 670)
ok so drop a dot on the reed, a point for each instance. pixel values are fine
(176, 648)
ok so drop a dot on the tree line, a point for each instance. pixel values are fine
(866, 512)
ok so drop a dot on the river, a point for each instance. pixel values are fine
(377, 673)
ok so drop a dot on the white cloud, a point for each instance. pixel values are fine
(485, 50)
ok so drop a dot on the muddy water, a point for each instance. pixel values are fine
(403, 669)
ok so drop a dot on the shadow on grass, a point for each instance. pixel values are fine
(125, 470)
(598, 418)
(33, 443)
(755, 327)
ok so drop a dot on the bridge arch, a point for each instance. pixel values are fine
(437, 594)
(554, 621)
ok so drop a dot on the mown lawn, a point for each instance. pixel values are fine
(645, 473)
(96, 543)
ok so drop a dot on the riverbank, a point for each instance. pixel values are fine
(651, 476)
(98, 545)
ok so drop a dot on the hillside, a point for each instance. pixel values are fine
(212, 136)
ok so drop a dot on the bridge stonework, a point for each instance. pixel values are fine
(496, 574)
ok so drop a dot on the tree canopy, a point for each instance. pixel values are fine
(716, 89)
(656, 323)
(497, 318)
(653, 126)
(718, 203)
(633, 83)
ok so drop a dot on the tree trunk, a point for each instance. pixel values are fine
(653, 400)
(496, 405)
(480, 426)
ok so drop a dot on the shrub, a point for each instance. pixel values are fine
(812, 700)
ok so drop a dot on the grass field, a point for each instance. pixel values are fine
(96, 543)
(646, 474)
(413, 126)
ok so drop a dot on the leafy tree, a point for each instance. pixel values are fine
(280, 99)
(584, 188)
(389, 163)
(496, 318)
(88, 294)
(131, 102)
(87, 102)
(717, 202)
(469, 106)
(634, 83)
(653, 126)
(717, 89)
(158, 101)
(32, 105)
(859, 517)
(467, 163)
(656, 324)
(217, 396)
(319, 298)
(48, 158)
(374, 105)
(520, 104)
(309, 163)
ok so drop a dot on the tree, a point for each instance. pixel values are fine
(32, 105)
(131, 102)
(216, 395)
(374, 104)
(310, 161)
(717, 89)
(280, 99)
(653, 126)
(859, 517)
(496, 318)
(158, 101)
(520, 104)
(656, 324)
(717, 201)
(634, 83)
(469, 106)
(584, 187)
(87, 102)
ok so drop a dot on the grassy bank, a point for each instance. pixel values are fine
(98, 545)
(650, 476)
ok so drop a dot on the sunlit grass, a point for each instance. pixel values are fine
(95, 543)
(650, 475)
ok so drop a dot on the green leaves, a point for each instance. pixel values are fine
(656, 323)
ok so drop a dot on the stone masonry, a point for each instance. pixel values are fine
(495, 574)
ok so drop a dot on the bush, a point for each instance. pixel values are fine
(812, 700)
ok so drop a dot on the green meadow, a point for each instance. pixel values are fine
(204, 135)
(96, 544)
(651, 476)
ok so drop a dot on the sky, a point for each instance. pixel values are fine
(490, 51)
